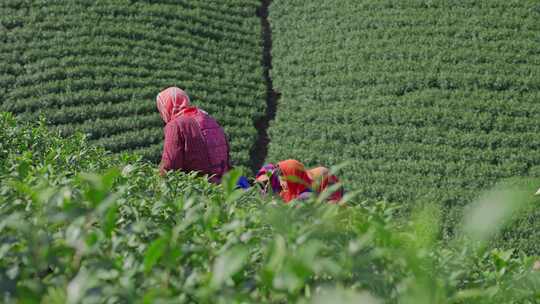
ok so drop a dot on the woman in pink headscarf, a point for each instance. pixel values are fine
(194, 141)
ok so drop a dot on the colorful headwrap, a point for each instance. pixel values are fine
(296, 177)
(171, 103)
(322, 179)
(269, 171)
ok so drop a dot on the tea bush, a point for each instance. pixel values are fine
(427, 100)
(96, 67)
(81, 225)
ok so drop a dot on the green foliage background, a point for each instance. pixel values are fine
(80, 225)
(431, 103)
(427, 100)
(97, 66)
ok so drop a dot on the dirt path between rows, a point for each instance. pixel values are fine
(260, 149)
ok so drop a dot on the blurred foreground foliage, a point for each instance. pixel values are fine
(79, 225)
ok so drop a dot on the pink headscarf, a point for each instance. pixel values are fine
(171, 102)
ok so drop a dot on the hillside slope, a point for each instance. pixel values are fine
(97, 66)
(431, 100)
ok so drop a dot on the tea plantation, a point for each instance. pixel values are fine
(432, 105)
(97, 66)
(79, 225)
(427, 100)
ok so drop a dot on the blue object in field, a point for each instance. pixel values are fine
(243, 183)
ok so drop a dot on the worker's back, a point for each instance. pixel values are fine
(201, 142)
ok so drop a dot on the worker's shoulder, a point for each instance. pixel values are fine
(200, 118)
(203, 118)
(178, 123)
(183, 119)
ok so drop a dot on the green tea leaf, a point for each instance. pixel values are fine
(154, 252)
(227, 264)
(109, 221)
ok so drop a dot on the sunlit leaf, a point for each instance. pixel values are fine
(227, 264)
(344, 296)
(154, 252)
